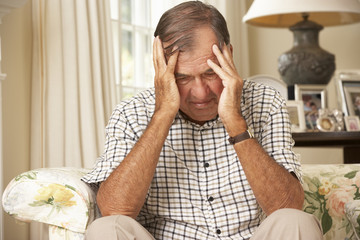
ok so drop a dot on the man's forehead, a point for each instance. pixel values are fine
(192, 66)
(192, 57)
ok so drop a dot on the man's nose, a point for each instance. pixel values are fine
(200, 88)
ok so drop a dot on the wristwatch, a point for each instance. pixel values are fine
(241, 137)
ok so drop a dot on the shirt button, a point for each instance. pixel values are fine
(218, 231)
(206, 164)
(210, 199)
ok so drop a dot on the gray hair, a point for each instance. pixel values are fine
(177, 25)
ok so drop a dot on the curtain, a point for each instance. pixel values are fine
(73, 86)
(233, 11)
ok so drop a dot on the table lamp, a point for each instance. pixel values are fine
(306, 62)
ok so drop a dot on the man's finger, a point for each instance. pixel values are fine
(172, 61)
(228, 55)
(154, 52)
(218, 70)
(223, 62)
(158, 52)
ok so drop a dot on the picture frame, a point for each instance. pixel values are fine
(325, 124)
(352, 123)
(314, 97)
(296, 115)
(348, 83)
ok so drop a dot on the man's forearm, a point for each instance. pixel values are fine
(125, 189)
(274, 187)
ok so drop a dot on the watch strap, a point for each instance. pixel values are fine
(241, 137)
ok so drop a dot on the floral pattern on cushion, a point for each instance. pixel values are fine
(327, 189)
(352, 211)
(58, 197)
(55, 196)
(57, 233)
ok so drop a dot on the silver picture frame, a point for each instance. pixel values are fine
(314, 97)
(348, 85)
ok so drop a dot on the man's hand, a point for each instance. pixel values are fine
(230, 99)
(167, 97)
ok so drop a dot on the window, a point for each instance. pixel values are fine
(133, 24)
(131, 39)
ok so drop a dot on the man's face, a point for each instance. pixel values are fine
(199, 87)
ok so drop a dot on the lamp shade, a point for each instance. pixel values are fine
(285, 13)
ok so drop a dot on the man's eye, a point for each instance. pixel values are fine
(182, 80)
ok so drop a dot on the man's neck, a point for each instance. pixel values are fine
(186, 117)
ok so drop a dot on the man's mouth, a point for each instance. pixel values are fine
(201, 104)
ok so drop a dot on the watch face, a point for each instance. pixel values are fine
(250, 133)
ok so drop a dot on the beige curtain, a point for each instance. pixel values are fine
(73, 86)
(233, 11)
(73, 81)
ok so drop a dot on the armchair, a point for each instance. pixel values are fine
(54, 196)
(57, 197)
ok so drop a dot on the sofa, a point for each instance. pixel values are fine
(57, 197)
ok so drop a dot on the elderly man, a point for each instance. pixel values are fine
(203, 155)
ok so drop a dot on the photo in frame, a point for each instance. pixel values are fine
(352, 123)
(314, 97)
(296, 115)
(349, 90)
(325, 124)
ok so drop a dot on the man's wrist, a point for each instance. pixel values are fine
(165, 112)
(241, 137)
(163, 117)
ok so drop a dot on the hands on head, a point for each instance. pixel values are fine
(167, 90)
(230, 99)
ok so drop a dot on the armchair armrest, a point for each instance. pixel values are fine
(352, 211)
(332, 195)
(53, 196)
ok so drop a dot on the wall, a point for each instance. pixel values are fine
(267, 44)
(16, 44)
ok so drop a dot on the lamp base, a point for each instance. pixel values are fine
(306, 62)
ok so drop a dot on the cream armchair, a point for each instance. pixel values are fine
(57, 197)
(54, 196)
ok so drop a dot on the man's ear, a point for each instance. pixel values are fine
(231, 48)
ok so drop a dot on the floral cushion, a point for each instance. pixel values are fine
(54, 196)
(327, 189)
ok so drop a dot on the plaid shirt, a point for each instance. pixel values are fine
(199, 190)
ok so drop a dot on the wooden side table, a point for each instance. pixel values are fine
(350, 141)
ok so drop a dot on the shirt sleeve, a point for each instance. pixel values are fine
(120, 139)
(266, 113)
(277, 138)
